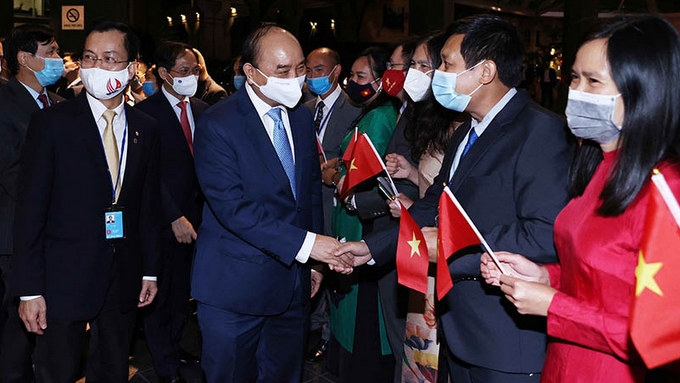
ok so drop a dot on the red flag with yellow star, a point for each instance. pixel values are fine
(364, 164)
(412, 258)
(349, 151)
(654, 320)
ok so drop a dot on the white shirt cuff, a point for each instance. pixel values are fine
(149, 278)
(306, 248)
(30, 297)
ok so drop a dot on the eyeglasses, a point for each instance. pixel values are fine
(392, 65)
(421, 65)
(90, 60)
(185, 71)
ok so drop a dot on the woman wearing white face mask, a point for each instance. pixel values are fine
(623, 104)
(429, 125)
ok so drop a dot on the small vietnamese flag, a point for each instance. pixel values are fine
(364, 164)
(412, 256)
(349, 151)
(456, 231)
(654, 324)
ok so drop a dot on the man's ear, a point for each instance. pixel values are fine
(249, 72)
(132, 70)
(489, 72)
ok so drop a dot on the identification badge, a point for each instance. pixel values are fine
(113, 223)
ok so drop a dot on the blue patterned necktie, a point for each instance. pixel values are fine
(471, 140)
(282, 146)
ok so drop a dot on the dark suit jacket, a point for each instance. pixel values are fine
(512, 183)
(339, 123)
(253, 226)
(180, 193)
(16, 107)
(210, 92)
(64, 190)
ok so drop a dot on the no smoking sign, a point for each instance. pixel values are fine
(72, 17)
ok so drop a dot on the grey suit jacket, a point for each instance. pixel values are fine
(16, 108)
(339, 123)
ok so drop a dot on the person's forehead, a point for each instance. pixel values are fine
(109, 41)
(280, 48)
(318, 59)
(186, 57)
(451, 49)
(397, 55)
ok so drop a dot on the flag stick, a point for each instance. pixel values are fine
(382, 163)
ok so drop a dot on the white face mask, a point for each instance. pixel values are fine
(417, 84)
(103, 84)
(285, 91)
(591, 116)
(185, 86)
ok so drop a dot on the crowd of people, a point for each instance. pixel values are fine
(128, 188)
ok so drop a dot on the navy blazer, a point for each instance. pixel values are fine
(64, 190)
(16, 107)
(512, 183)
(180, 193)
(253, 227)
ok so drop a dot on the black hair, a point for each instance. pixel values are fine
(251, 46)
(643, 53)
(492, 38)
(377, 60)
(130, 40)
(25, 38)
(428, 125)
(167, 54)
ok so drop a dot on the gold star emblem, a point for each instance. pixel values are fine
(352, 166)
(645, 272)
(415, 244)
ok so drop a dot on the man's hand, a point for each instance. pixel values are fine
(395, 208)
(430, 234)
(317, 278)
(34, 315)
(399, 167)
(329, 171)
(183, 230)
(324, 251)
(148, 293)
(358, 250)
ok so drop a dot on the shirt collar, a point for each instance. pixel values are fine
(260, 106)
(480, 126)
(330, 100)
(98, 108)
(172, 99)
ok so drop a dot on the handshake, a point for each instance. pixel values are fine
(341, 257)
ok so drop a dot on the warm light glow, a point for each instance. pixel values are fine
(333, 24)
(313, 24)
(183, 18)
(552, 52)
(169, 20)
(198, 16)
(497, 9)
(234, 13)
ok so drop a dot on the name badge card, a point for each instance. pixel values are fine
(113, 223)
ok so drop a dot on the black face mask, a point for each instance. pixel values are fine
(359, 94)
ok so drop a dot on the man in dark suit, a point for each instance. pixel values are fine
(83, 160)
(258, 167)
(512, 181)
(208, 90)
(27, 47)
(177, 69)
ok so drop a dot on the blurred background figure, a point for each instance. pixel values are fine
(208, 90)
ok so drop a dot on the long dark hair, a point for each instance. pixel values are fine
(644, 56)
(429, 123)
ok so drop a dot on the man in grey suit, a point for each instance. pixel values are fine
(32, 55)
(333, 118)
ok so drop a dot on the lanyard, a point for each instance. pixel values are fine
(325, 119)
(114, 186)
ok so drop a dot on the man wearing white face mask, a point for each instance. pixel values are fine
(85, 160)
(258, 165)
(176, 111)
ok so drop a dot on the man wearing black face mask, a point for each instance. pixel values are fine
(32, 54)
(176, 111)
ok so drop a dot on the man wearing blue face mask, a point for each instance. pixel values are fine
(508, 166)
(176, 111)
(32, 55)
(333, 115)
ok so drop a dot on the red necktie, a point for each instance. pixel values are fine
(45, 101)
(186, 126)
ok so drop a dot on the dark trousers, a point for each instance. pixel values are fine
(167, 315)
(462, 372)
(16, 344)
(241, 348)
(58, 350)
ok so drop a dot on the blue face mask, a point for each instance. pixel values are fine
(320, 85)
(54, 67)
(239, 81)
(444, 90)
(147, 87)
